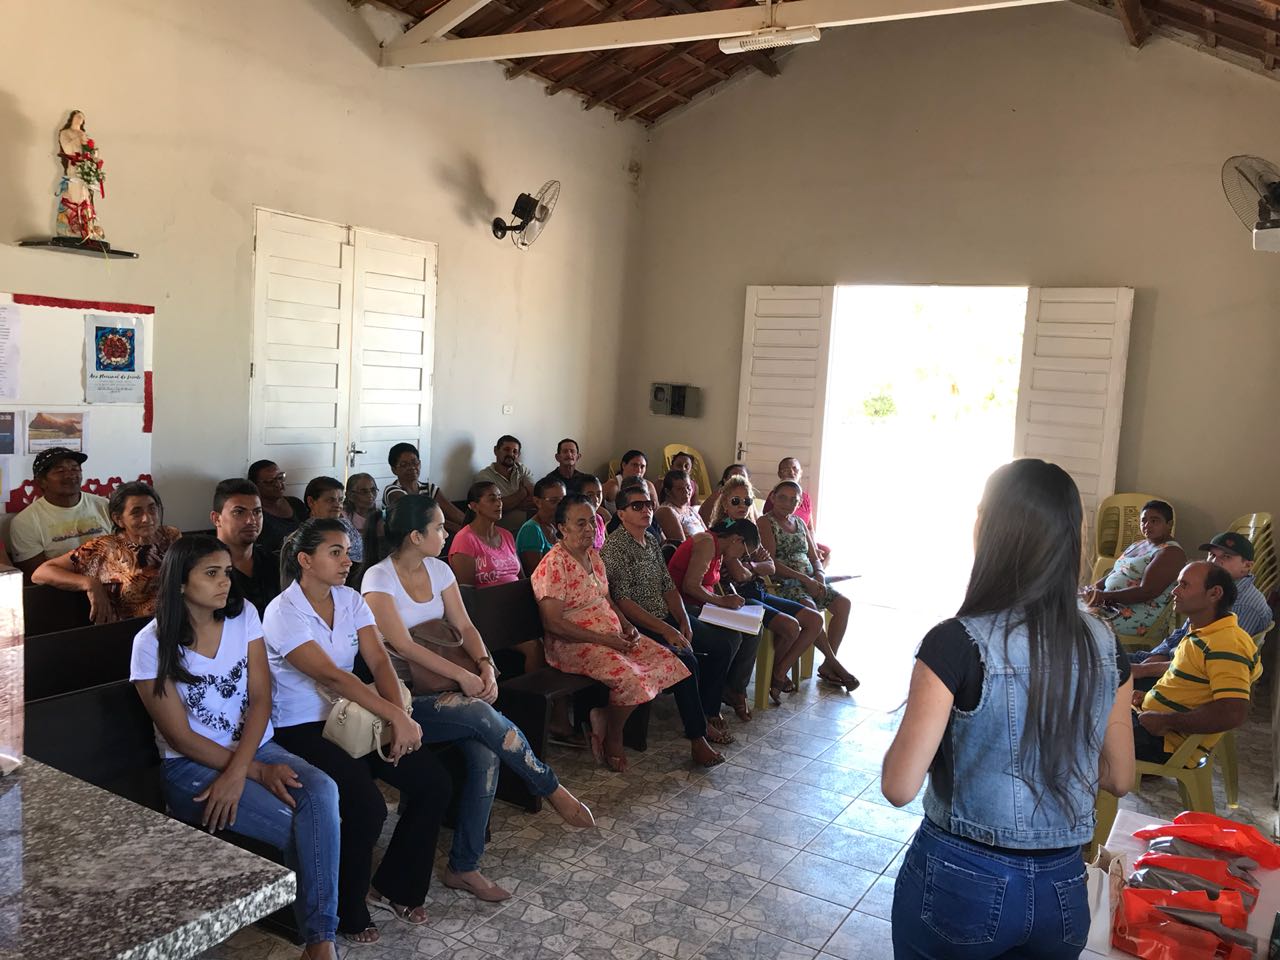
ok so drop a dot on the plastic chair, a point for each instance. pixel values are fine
(764, 668)
(1163, 626)
(700, 475)
(1118, 525)
(1195, 784)
(1257, 527)
(1227, 745)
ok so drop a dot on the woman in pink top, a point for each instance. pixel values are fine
(483, 554)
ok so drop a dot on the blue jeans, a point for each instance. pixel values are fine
(308, 834)
(486, 738)
(958, 900)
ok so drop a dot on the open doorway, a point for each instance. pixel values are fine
(922, 398)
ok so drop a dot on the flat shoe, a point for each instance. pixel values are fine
(351, 937)
(490, 894)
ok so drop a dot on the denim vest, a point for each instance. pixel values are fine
(990, 802)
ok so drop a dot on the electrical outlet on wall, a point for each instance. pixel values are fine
(508, 409)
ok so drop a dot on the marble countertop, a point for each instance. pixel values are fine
(87, 875)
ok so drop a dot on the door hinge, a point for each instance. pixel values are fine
(250, 369)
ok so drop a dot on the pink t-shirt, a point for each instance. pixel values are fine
(494, 565)
(600, 531)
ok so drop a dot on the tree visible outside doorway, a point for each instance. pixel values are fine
(921, 400)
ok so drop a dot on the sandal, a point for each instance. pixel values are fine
(616, 764)
(414, 916)
(741, 707)
(775, 696)
(369, 934)
(718, 731)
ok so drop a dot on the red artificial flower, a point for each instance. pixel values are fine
(89, 144)
(99, 164)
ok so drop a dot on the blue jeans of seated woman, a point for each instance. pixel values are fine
(958, 900)
(486, 739)
(308, 834)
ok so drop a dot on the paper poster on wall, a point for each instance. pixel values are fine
(8, 434)
(10, 337)
(47, 429)
(112, 359)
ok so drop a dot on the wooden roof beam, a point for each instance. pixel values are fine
(681, 28)
(1134, 21)
(664, 91)
(626, 83)
(522, 15)
(436, 24)
(613, 11)
(761, 61)
(1225, 36)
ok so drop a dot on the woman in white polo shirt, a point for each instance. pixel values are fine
(314, 630)
(200, 668)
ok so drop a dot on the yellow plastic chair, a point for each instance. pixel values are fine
(1257, 527)
(1118, 526)
(700, 475)
(1227, 745)
(1195, 784)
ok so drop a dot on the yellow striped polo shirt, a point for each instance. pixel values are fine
(1214, 662)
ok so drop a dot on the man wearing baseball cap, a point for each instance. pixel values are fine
(1234, 553)
(62, 518)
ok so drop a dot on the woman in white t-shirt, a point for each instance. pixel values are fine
(413, 587)
(200, 668)
(314, 630)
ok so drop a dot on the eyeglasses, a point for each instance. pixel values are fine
(638, 505)
(739, 501)
(278, 478)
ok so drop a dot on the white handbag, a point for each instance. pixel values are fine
(358, 730)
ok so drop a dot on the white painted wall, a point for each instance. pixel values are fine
(1029, 146)
(202, 110)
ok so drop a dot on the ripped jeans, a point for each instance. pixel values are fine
(486, 739)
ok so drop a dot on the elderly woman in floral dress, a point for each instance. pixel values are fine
(587, 634)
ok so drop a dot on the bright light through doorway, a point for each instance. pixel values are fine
(921, 400)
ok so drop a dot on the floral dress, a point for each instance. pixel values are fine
(792, 550)
(1136, 619)
(632, 678)
(130, 571)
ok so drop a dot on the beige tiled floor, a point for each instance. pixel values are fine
(788, 851)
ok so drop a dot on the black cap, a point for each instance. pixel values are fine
(1232, 542)
(45, 459)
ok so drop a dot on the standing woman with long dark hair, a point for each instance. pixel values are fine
(1019, 712)
(314, 630)
(200, 668)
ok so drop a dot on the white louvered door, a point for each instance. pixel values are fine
(300, 387)
(343, 347)
(1071, 388)
(394, 324)
(782, 393)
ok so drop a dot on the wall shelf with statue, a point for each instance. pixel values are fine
(78, 229)
(88, 248)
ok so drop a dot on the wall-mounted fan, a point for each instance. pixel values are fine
(1252, 186)
(529, 216)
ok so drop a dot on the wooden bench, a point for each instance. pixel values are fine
(70, 660)
(506, 616)
(50, 610)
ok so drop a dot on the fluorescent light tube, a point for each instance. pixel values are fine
(772, 37)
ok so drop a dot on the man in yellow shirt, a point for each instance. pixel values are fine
(1207, 686)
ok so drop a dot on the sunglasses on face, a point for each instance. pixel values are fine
(638, 505)
(278, 478)
(738, 501)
